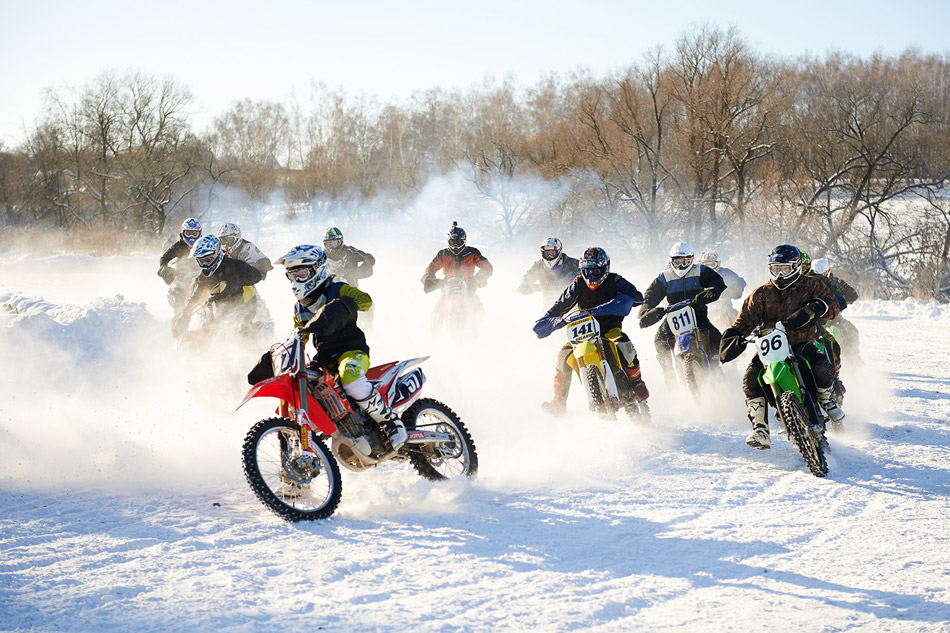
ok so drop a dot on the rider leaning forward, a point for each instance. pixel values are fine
(609, 298)
(800, 302)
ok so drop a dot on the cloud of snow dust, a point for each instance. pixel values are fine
(100, 397)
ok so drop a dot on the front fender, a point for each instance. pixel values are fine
(282, 388)
(782, 375)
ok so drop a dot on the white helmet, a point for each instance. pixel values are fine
(306, 269)
(229, 235)
(681, 258)
(820, 266)
(551, 251)
(711, 259)
(207, 252)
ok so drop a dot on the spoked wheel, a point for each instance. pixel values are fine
(445, 459)
(598, 392)
(294, 486)
(800, 431)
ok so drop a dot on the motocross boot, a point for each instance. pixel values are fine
(562, 386)
(759, 438)
(826, 398)
(636, 381)
(376, 408)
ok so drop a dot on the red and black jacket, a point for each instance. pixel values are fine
(461, 264)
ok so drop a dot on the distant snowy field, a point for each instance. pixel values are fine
(125, 509)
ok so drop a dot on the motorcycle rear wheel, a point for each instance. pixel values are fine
(293, 492)
(437, 462)
(800, 432)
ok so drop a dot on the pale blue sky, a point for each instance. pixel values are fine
(230, 50)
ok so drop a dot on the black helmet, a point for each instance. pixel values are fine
(595, 264)
(785, 265)
(457, 237)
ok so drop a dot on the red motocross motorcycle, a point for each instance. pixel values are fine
(287, 461)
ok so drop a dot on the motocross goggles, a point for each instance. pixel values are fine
(549, 253)
(228, 241)
(333, 243)
(782, 269)
(190, 235)
(594, 273)
(206, 261)
(301, 274)
(681, 263)
(456, 244)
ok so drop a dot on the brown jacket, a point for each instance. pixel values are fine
(767, 305)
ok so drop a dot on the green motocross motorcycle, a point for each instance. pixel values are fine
(794, 395)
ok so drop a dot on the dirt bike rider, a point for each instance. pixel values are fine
(681, 281)
(735, 286)
(225, 284)
(845, 295)
(327, 309)
(238, 248)
(346, 263)
(609, 298)
(550, 274)
(800, 302)
(174, 266)
(457, 263)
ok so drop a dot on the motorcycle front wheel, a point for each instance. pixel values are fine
(436, 462)
(294, 486)
(800, 432)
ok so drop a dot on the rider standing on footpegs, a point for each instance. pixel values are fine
(327, 309)
(457, 263)
(681, 281)
(609, 298)
(800, 302)
(224, 283)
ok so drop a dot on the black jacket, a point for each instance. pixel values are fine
(584, 298)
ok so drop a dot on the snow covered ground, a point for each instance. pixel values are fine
(125, 509)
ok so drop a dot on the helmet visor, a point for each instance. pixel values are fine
(301, 274)
(333, 243)
(681, 263)
(549, 253)
(781, 269)
(205, 261)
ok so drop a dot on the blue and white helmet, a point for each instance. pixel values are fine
(190, 231)
(306, 269)
(208, 253)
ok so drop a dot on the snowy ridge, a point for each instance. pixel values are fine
(906, 309)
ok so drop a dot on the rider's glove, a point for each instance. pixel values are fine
(708, 295)
(430, 283)
(167, 274)
(807, 315)
(732, 345)
(544, 326)
(650, 316)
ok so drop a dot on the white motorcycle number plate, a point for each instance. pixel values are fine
(682, 321)
(772, 347)
(583, 330)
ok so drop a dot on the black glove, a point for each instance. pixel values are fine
(431, 283)
(651, 316)
(708, 295)
(167, 274)
(263, 370)
(732, 345)
(807, 315)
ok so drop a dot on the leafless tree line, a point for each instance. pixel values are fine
(710, 142)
